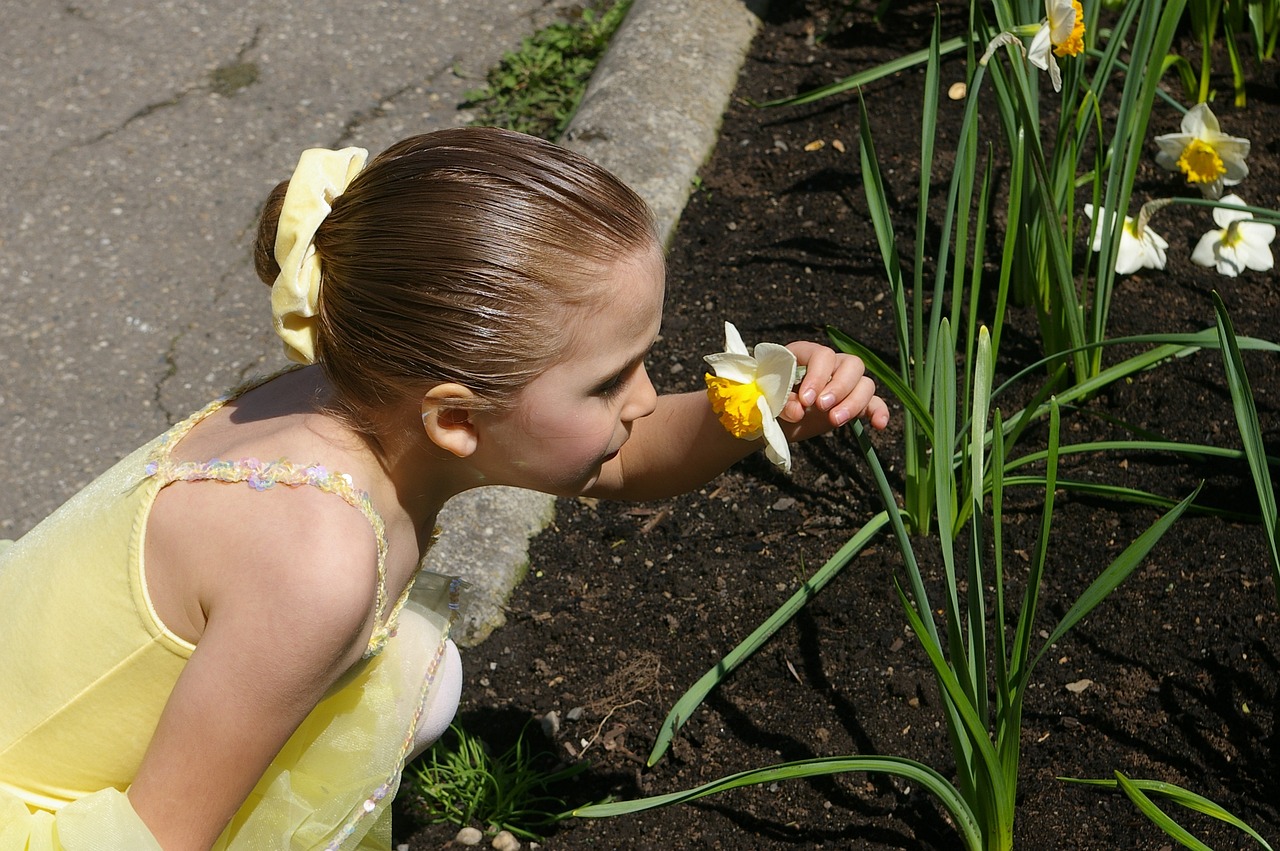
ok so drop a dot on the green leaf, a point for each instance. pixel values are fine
(859, 80)
(1250, 430)
(1116, 572)
(897, 766)
(692, 699)
(1178, 795)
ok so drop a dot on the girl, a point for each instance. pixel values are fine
(209, 646)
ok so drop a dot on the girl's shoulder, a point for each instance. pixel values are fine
(275, 555)
(292, 535)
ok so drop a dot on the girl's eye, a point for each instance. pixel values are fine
(615, 385)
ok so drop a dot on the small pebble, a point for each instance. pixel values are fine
(551, 724)
(506, 841)
(468, 836)
(957, 91)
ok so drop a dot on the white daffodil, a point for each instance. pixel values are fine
(1208, 157)
(749, 389)
(1061, 34)
(1240, 244)
(1140, 246)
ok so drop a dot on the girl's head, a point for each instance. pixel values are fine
(455, 257)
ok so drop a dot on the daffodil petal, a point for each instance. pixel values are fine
(1100, 224)
(1199, 120)
(1255, 246)
(1062, 19)
(1259, 233)
(775, 373)
(1204, 253)
(1233, 152)
(1129, 257)
(1038, 53)
(735, 367)
(733, 341)
(776, 448)
(1229, 262)
(1224, 216)
(1171, 146)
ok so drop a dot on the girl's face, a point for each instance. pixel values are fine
(574, 417)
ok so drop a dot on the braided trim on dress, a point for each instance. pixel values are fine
(262, 475)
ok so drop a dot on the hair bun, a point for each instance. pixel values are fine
(264, 250)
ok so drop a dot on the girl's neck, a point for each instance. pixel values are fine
(420, 476)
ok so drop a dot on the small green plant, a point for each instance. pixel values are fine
(1205, 17)
(461, 783)
(536, 89)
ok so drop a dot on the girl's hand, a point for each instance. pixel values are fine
(835, 389)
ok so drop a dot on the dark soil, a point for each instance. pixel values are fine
(627, 605)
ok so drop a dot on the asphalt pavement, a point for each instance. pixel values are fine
(140, 139)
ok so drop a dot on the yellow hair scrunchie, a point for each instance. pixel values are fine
(321, 176)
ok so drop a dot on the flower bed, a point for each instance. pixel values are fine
(1174, 677)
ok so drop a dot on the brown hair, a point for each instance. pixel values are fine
(451, 258)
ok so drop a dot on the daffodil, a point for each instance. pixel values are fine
(1140, 246)
(1240, 244)
(1061, 34)
(1208, 157)
(748, 390)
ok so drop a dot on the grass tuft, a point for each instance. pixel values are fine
(536, 89)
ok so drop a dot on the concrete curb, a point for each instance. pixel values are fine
(653, 110)
(651, 115)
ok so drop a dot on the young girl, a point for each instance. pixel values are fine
(209, 646)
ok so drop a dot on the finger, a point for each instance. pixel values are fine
(848, 376)
(819, 363)
(855, 403)
(877, 413)
(793, 411)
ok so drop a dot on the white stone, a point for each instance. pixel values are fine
(468, 836)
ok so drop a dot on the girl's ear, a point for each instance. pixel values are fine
(446, 418)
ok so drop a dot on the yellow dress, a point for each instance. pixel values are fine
(86, 667)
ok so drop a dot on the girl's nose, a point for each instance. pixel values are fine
(643, 399)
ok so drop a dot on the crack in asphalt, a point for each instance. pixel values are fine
(214, 83)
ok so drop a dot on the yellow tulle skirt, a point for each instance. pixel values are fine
(331, 785)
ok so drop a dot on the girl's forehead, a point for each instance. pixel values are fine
(628, 307)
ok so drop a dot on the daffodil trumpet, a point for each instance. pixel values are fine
(749, 388)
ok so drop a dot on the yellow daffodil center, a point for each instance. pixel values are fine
(1074, 45)
(735, 403)
(1231, 237)
(1201, 163)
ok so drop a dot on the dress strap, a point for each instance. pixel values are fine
(263, 475)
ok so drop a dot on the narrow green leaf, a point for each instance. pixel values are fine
(897, 766)
(1158, 816)
(855, 81)
(1116, 572)
(692, 699)
(1250, 431)
(1183, 797)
